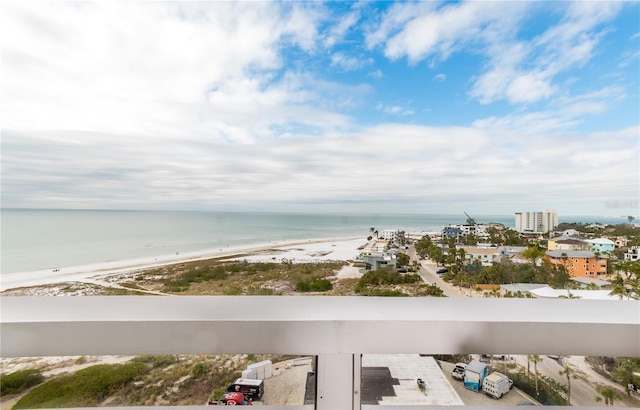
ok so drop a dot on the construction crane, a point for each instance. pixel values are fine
(470, 220)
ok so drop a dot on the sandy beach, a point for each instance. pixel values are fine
(310, 250)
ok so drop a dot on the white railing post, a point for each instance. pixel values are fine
(335, 382)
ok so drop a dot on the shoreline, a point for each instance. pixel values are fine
(321, 248)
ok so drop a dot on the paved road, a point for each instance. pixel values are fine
(428, 273)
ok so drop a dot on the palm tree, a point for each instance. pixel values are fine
(619, 288)
(567, 371)
(535, 359)
(609, 394)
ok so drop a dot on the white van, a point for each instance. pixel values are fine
(496, 385)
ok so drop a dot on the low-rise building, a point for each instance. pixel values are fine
(620, 241)
(568, 243)
(579, 263)
(457, 231)
(378, 260)
(586, 283)
(451, 232)
(486, 256)
(601, 245)
(550, 293)
(632, 254)
(390, 234)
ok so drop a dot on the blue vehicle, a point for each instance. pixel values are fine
(474, 375)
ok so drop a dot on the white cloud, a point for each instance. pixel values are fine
(340, 29)
(519, 71)
(524, 71)
(428, 166)
(145, 68)
(566, 113)
(349, 62)
(419, 31)
(529, 87)
(398, 110)
(213, 105)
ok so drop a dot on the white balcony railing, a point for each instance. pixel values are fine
(336, 329)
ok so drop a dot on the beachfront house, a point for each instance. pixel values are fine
(378, 260)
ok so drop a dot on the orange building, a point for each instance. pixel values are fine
(579, 263)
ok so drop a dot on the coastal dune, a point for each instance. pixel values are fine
(310, 250)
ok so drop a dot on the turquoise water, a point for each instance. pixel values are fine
(44, 239)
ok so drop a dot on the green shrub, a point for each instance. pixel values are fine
(156, 360)
(382, 292)
(233, 291)
(19, 381)
(265, 267)
(314, 285)
(199, 370)
(550, 392)
(433, 290)
(254, 290)
(84, 388)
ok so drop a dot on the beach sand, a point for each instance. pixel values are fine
(311, 250)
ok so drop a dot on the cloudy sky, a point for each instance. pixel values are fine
(421, 107)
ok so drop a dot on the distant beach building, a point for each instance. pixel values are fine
(460, 230)
(451, 232)
(390, 234)
(536, 222)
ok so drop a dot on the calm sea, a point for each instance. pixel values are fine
(43, 239)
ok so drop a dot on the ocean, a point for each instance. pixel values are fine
(45, 239)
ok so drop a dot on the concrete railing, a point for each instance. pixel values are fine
(335, 329)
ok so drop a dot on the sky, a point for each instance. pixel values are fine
(298, 106)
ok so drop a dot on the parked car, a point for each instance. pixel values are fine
(458, 371)
(235, 399)
(442, 271)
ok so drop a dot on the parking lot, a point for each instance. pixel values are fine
(388, 380)
(469, 397)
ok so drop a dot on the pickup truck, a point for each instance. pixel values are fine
(458, 371)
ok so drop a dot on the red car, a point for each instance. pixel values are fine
(235, 399)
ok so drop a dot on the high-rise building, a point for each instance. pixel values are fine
(537, 222)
